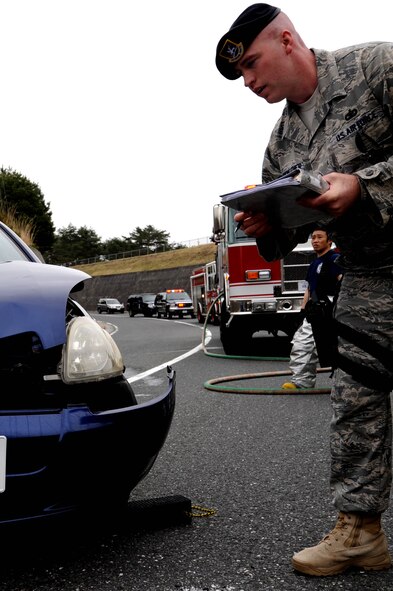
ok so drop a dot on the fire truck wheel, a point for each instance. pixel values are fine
(236, 343)
(200, 317)
(233, 341)
(214, 317)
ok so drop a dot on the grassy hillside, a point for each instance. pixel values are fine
(195, 255)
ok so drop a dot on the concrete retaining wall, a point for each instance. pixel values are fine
(121, 286)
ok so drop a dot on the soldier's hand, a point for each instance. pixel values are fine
(343, 192)
(255, 225)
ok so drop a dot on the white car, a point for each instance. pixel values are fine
(110, 306)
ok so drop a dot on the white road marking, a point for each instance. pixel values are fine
(140, 376)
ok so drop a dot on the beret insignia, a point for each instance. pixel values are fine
(232, 51)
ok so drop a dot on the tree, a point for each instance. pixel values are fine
(149, 238)
(27, 202)
(72, 244)
(114, 245)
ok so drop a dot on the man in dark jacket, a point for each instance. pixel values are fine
(323, 278)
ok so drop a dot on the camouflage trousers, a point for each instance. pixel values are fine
(361, 427)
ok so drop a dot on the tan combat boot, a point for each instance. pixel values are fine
(356, 540)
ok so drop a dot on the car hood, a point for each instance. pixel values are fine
(33, 298)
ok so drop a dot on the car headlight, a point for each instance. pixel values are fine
(89, 354)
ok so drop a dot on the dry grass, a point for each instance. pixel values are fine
(195, 255)
(19, 224)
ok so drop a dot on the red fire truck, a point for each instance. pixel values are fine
(255, 295)
(204, 292)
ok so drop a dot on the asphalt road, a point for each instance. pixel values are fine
(253, 467)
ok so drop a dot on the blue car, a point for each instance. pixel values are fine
(72, 435)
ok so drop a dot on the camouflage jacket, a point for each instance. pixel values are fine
(352, 133)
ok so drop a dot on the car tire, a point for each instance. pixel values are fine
(200, 316)
(215, 318)
(110, 507)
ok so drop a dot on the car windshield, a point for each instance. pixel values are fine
(9, 250)
(149, 297)
(112, 301)
(180, 295)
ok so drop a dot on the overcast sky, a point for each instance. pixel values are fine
(116, 110)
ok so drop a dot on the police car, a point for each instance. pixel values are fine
(174, 302)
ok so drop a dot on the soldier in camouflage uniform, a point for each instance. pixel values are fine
(338, 121)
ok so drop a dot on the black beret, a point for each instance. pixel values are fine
(242, 33)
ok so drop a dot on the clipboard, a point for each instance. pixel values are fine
(278, 199)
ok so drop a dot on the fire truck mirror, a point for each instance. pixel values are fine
(218, 218)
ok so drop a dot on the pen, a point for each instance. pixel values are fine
(239, 225)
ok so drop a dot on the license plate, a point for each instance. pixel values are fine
(3, 456)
